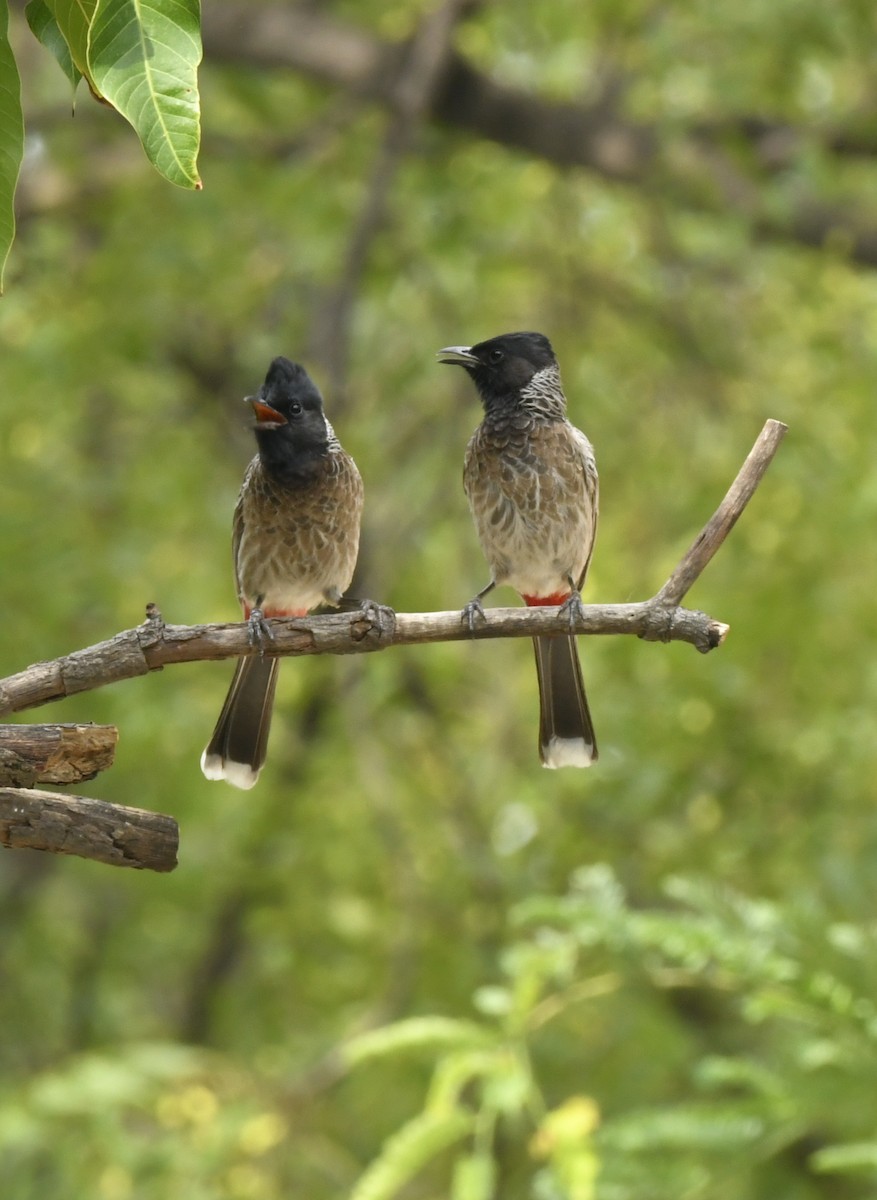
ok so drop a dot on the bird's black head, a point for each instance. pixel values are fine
(504, 365)
(290, 423)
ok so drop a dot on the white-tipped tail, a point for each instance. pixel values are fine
(239, 775)
(567, 752)
(566, 734)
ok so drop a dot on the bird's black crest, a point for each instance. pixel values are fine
(286, 382)
(533, 348)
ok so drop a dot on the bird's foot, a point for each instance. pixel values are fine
(474, 609)
(573, 609)
(381, 616)
(258, 630)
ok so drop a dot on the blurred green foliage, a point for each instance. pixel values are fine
(626, 1035)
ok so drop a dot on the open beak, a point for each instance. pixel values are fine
(265, 414)
(460, 356)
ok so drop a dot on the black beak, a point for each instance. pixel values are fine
(460, 356)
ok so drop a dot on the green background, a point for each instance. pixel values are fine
(180, 1035)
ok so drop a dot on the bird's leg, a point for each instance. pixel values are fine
(258, 630)
(572, 606)
(475, 608)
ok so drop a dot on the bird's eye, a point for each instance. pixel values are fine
(295, 409)
(496, 356)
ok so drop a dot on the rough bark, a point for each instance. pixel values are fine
(107, 833)
(32, 754)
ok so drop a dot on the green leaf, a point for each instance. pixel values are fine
(45, 28)
(493, 1000)
(710, 1127)
(410, 1149)
(11, 138)
(455, 1071)
(854, 1156)
(509, 1087)
(73, 19)
(143, 58)
(415, 1032)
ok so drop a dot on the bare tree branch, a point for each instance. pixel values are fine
(151, 646)
(107, 833)
(32, 754)
(154, 645)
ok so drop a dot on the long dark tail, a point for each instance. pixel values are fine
(237, 749)
(566, 735)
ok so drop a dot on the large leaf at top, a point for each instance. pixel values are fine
(143, 56)
(73, 19)
(11, 137)
(45, 28)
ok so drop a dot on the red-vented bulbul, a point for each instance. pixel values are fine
(295, 541)
(531, 481)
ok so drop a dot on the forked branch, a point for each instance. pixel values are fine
(153, 645)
